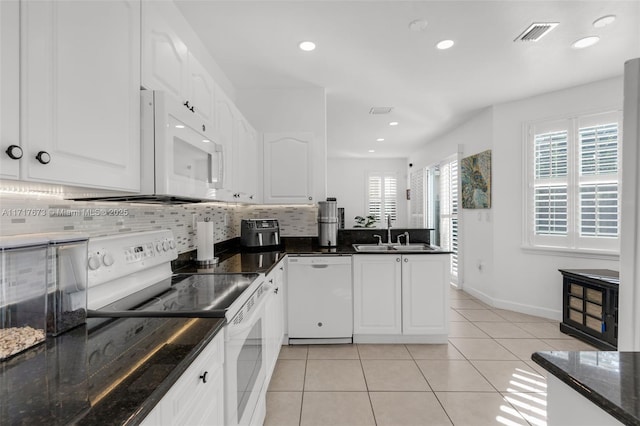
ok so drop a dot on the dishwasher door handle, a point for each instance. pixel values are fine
(320, 266)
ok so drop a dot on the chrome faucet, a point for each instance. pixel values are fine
(406, 238)
(379, 239)
(388, 229)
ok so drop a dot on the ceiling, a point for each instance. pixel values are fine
(367, 56)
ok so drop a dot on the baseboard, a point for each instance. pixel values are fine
(390, 338)
(322, 341)
(514, 306)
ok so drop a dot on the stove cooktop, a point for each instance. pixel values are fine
(182, 295)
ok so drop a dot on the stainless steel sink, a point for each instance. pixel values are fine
(381, 248)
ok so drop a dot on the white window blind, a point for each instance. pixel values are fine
(449, 212)
(419, 181)
(574, 183)
(382, 194)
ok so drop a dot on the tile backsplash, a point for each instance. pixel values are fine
(27, 215)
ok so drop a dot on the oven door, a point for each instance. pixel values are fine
(245, 363)
(188, 161)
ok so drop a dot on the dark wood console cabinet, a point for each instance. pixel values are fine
(590, 306)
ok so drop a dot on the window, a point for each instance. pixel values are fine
(419, 182)
(573, 183)
(382, 195)
(449, 212)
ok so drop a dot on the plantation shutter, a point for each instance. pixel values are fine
(382, 196)
(418, 184)
(449, 212)
(550, 181)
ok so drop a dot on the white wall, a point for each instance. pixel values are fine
(475, 226)
(347, 181)
(290, 110)
(514, 278)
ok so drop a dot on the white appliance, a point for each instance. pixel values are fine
(180, 159)
(320, 300)
(245, 362)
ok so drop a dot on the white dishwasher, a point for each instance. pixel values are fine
(320, 299)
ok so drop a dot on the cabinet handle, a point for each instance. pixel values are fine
(204, 129)
(275, 290)
(14, 152)
(397, 259)
(186, 103)
(406, 260)
(282, 268)
(271, 280)
(192, 109)
(204, 377)
(43, 157)
(310, 198)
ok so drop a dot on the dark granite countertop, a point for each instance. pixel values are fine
(611, 380)
(108, 372)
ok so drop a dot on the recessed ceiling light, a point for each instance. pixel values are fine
(372, 150)
(418, 25)
(604, 21)
(179, 126)
(445, 44)
(206, 140)
(380, 140)
(393, 123)
(585, 42)
(307, 46)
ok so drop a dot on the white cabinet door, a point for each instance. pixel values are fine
(201, 91)
(288, 168)
(227, 132)
(10, 89)
(274, 313)
(80, 93)
(197, 397)
(164, 55)
(377, 294)
(246, 161)
(425, 294)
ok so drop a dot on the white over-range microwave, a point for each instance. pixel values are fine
(180, 159)
(179, 155)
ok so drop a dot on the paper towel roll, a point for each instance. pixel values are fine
(205, 242)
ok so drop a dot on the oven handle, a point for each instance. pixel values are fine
(247, 323)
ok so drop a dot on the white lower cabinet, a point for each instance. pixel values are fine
(401, 298)
(197, 397)
(274, 317)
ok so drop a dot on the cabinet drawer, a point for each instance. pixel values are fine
(594, 295)
(576, 290)
(575, 303)
(594, 324)
(575, 316)
(594, 310)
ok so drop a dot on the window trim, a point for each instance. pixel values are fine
(572, 242)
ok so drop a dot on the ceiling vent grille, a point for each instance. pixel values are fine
(380, 110)
(536, 31)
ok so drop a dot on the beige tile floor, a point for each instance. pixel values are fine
(483, 376)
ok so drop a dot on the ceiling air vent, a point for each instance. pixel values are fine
(380, 110)
(536, 31)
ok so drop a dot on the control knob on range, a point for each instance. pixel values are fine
(108, 259)
(172, 244)
(165, 246)
(94, 263)
(158, 246)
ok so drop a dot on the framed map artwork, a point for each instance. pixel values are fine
(475, 175)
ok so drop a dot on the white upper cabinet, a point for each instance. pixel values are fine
(201, 91)
(226, 115)
(164, 55)
(169, 65)
(288, 168)
(10, 90)
(246, 162)
(80, 102)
